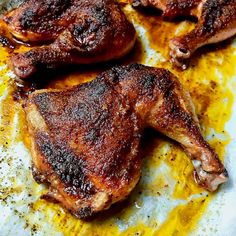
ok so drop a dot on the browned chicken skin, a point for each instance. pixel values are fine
(85, 141)
(216, 22)
(80, 32)
(170, 8)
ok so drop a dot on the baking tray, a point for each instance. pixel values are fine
(166, 201)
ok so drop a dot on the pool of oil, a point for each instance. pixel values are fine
(166, 201)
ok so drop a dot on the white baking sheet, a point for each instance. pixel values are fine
(18, 190)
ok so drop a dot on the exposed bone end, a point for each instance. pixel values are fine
(179, 52)
(209, 180)
(139, 3)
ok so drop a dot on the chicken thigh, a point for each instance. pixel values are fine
(216, 22)
(85, 141)
(74, 31)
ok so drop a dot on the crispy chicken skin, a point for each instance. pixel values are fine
(216, 22)
(170, 8)
(79, 32)
(85, 141)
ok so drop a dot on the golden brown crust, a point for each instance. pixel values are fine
(85, 140)
(39, 20)
(170, 8)
(90, 146)
(81, 32)
(216, 22)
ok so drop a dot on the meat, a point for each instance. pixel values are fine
(170, 8)
(69, 32)
(85, 141)
(216, 22)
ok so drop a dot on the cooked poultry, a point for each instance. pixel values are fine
(85, 141)
(216, 22)
(170, 8)
(80, 32)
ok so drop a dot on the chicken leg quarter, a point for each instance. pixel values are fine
(85, 141)
(216, 22)
(74, 31)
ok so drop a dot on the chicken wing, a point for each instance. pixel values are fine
(85, 141)
(75, 31)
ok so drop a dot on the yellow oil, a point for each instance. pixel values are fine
(181, 220)
(206, 79)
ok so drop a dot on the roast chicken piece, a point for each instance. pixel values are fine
(74, 31)
(216, 22)
(170, 8)
(85, 141)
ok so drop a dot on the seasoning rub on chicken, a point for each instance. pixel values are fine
(71, 32)
(216, 22)
(85, 141)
